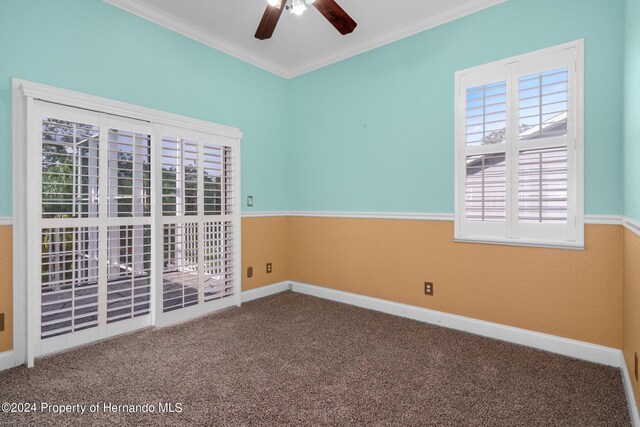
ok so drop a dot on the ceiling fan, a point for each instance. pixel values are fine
(328, 8)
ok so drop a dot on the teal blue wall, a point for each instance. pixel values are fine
(375, 132)
(632, 110)
(371, 133)
(92, 47)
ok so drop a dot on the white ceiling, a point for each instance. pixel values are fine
(300, 43)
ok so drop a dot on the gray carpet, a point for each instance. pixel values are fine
(297, 360)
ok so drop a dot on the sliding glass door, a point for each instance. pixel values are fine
(132, 224)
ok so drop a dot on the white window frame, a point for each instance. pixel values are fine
(510, 232)
(27, 212)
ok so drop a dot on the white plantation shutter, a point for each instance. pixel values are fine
(542, 185)
(95, 257)
(70, 162)
(518, 161)
(219, 263)
(198, 207)
(69, 280)
(543, 104)
(128, 272)
(126, 222)
(179, 176)
(486, 114)
(486, 187)
(181, 275)
(129, 174)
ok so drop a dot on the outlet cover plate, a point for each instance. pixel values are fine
(428, 288)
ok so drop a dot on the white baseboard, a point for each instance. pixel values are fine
(7, 360)
(565, 346)
(628, 390)
(265, 291)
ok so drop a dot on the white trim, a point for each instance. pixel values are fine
(7, 360)
(265, 291)
(377, 215)
(554, 344)
(631, 225)
(588, 219)
(395, 34)
(365, 215)
(264, 214)
(19, 135)
(520, 242)
(628, 391)
(186, 29)
(603, 219)
(104, 105)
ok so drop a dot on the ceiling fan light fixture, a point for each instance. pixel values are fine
(298, 7)
(327, 8)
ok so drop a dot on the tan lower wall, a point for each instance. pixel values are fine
(264, 240)
(573, 294)
(632, 305)
(6, 288)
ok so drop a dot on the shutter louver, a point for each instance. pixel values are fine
(69, 169)
(69, 286)
(218, 258)
(129, 174)
(542, 185)
(486, 187)
(179, 177)
(128, 272)
(486, 114)
(213, 166)
(181, 269)
(228, 182)
(543, 104)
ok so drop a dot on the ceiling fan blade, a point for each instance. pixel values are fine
(336, 15)
(269, 21)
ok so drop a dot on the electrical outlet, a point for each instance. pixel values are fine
(269, 267)
(428, 288)
(249, 200)
(635, 356)
(2, 325)
(250, 272)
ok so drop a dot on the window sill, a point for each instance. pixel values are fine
(521, 242)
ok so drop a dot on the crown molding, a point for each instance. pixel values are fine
(393, 35)
(180, 26)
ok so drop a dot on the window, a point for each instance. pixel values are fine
(519, 150)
